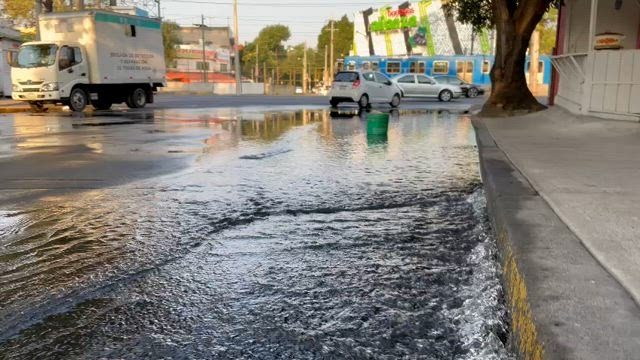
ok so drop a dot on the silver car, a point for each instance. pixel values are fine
(420, 85)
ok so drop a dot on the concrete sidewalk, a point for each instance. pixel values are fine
(588, 171)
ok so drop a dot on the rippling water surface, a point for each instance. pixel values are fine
(295, 236)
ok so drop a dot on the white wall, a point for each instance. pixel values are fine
(624, 21)
(214, 88)
(578, 26)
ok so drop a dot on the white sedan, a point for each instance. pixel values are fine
(420, 85)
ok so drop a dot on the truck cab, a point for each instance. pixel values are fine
(47, 72)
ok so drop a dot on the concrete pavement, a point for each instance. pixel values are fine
(543, 171)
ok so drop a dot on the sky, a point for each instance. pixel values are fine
(305, 18)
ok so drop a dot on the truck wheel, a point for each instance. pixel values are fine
(37, 107)
(102, 104)
(78, 100)
(137, 99)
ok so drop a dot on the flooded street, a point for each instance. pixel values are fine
(246, 233)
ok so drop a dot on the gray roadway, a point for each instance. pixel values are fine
(43, 154)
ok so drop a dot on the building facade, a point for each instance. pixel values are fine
(192, 62)
(416, 28)
(598, 58)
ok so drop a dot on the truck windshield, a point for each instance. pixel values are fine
(31, 56)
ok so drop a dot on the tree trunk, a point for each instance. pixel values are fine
(510, 94)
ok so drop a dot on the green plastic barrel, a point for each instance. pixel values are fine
(377, 123)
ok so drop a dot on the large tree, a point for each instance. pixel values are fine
(515, 21)
(170, 39)
(342, 37)
(23, 10)
(267, 48)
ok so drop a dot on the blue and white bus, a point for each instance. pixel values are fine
(471, 68)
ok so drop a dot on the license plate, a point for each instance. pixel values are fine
(31, 96)
(343, 88)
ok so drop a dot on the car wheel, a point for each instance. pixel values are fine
(78, 100)
(472, 92)
(334, 102)
(395, 101)
(37, 106)
(137, 99)
(363, 103)
(445, 95)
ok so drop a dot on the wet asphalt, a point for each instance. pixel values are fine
(247, 231)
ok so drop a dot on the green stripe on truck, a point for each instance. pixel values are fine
(110, 18)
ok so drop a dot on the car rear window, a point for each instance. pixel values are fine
(346, 77)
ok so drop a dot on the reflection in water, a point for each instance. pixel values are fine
(294, 235)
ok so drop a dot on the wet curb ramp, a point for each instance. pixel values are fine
(563, 304)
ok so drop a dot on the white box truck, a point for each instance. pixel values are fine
(93, 58)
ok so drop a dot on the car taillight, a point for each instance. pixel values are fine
(356, 84)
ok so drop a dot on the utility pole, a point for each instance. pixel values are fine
(325, 72)
(264, 74)
(331, 59)
(203, 66)
(157, 2)
(534, 55)
(305, 80)
(237, 48)
(38, 10)
(257, 69)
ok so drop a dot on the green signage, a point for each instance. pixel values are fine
(394, 24)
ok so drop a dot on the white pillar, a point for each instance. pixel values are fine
(592, 25)
(587, 86)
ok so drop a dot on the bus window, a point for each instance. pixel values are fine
(351, 66)
(422, 68)
(486, 67)
(375, 66)
(440, 67)
(393, 67)
(412, 66)
(366, 65)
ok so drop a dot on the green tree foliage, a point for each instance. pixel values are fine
(342, 37)
(515, 21)
(170, 38)
(23, 10)
(269, 46)
(547, 28)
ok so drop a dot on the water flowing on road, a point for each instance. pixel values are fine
(292, 236)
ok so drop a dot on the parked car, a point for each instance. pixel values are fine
(419, 85)
(470, 90)
(363, 88)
